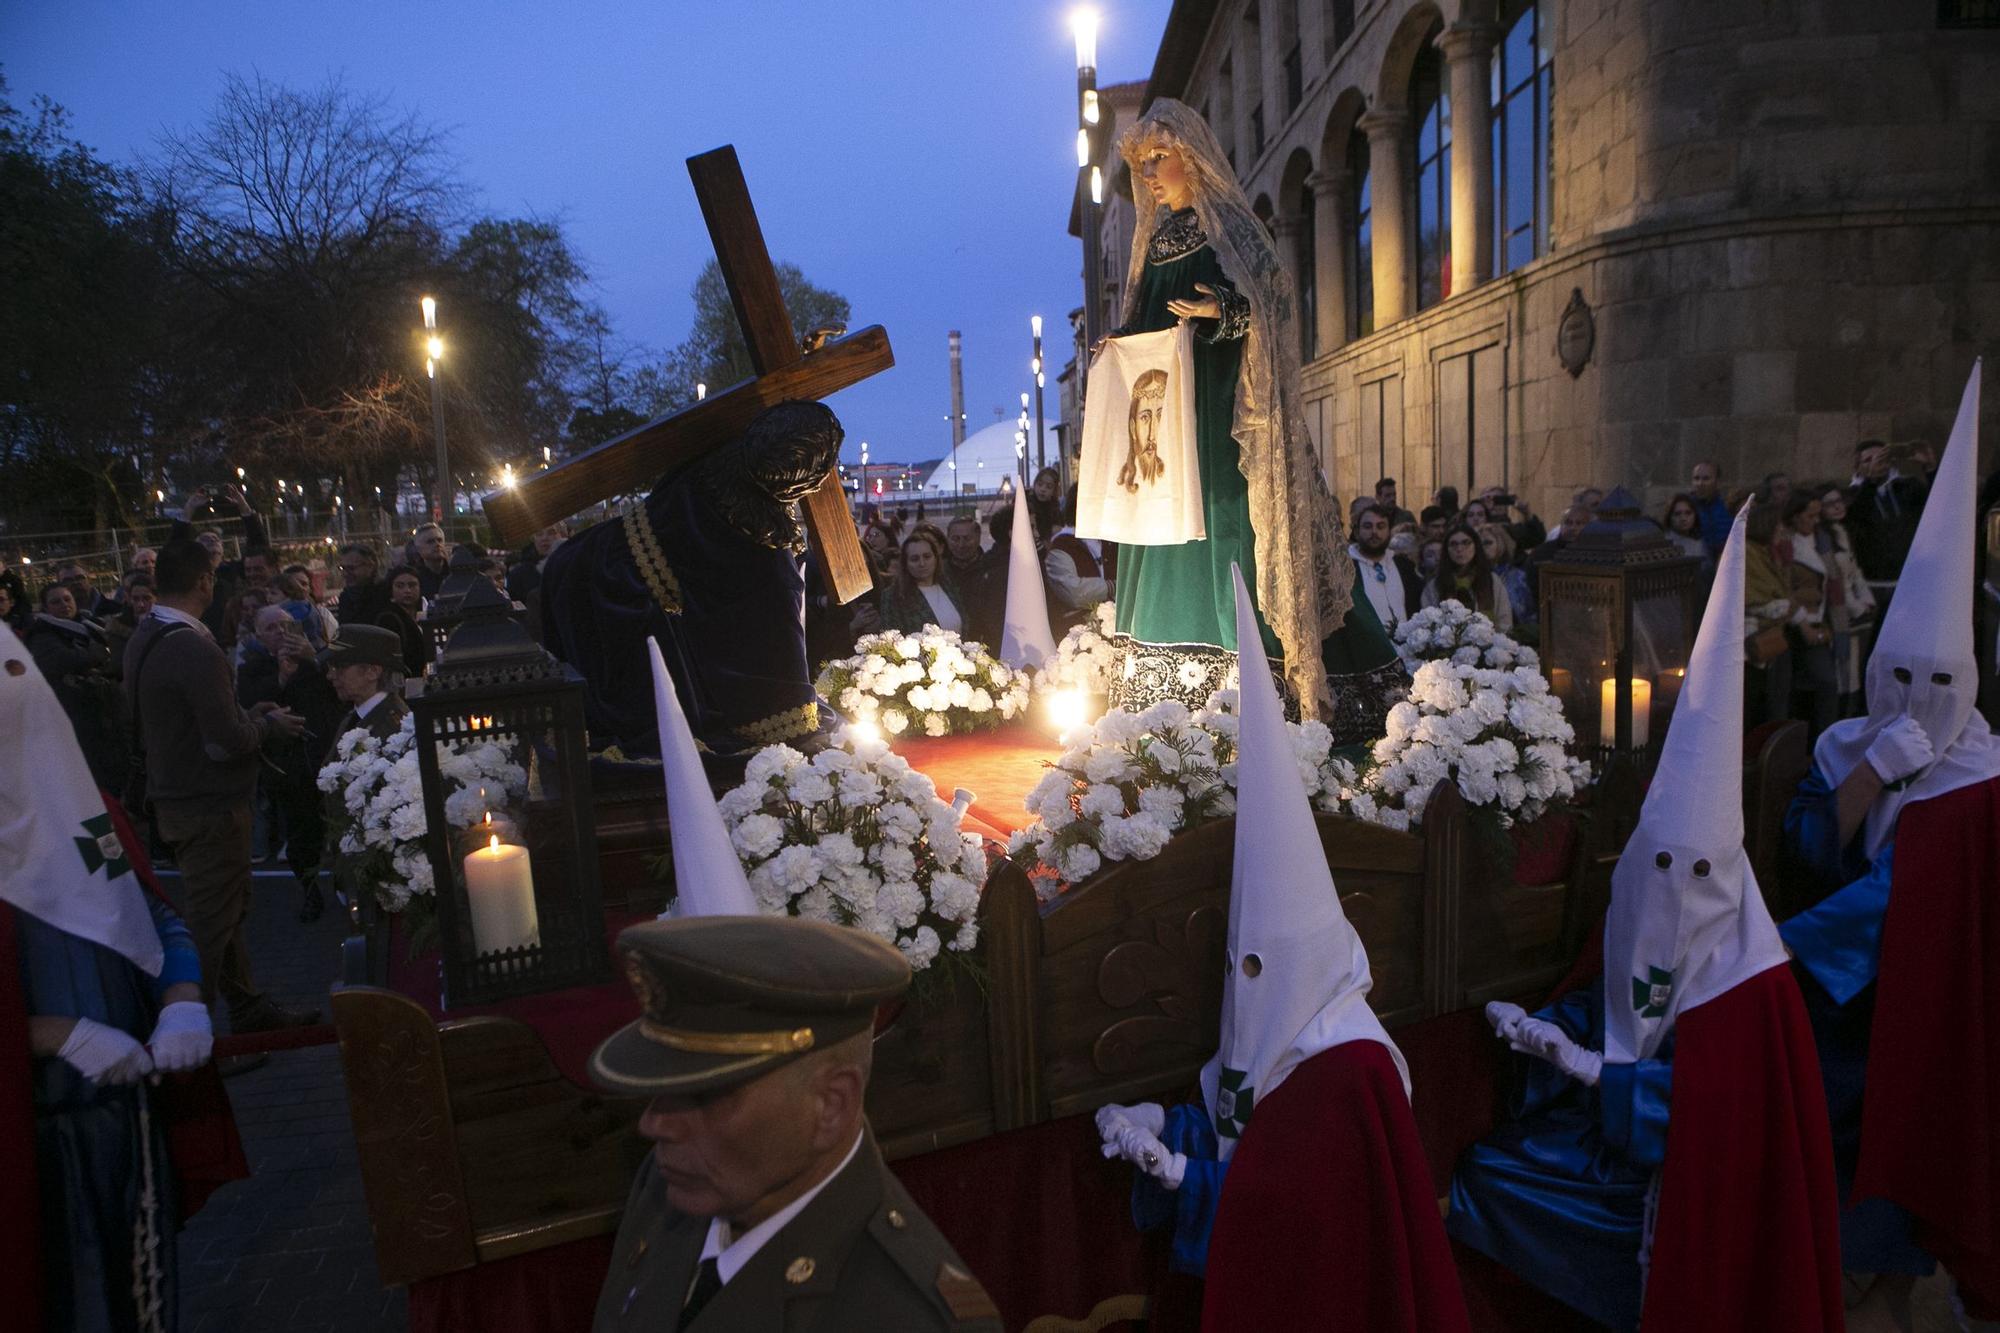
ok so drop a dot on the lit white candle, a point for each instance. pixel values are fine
(500, 888)
(1642, 712)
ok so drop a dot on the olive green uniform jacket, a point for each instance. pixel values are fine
(860, 1258)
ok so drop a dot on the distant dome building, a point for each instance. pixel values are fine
(983, 460)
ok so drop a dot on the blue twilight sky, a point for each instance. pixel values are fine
(916, 157)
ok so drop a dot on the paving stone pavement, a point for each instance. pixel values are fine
(288, 1249)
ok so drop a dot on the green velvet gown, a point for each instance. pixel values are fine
(1176, 610)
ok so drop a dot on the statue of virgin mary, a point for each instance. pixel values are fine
(1200, 254)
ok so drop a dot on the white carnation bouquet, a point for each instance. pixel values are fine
(1086, 660)
(1480, 715)
(932, 683)
(856, 836)
(1450, 632)
(378, 822)
(1125, 787)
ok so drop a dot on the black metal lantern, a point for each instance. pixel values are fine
(446, 611)
(504, 760)
(1618, 620)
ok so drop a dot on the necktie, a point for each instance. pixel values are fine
(707, 1281)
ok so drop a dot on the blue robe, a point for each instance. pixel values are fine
(1189, 1210)
(1838, 942)
(1557, 1194)
(87, 1138)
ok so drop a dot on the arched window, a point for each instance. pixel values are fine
(1523, 78)
(1360, 245)
(1430, 109)
(1308, 277)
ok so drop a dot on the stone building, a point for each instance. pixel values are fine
(1555, 243)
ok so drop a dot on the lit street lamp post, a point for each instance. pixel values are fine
(434, 352)
(1089, 179)
(1041, 449)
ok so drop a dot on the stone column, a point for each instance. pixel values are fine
(1468, 51)
(1330, 257)
(1288, 232)
(1388, 131)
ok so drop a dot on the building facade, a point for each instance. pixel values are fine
(1545, 244)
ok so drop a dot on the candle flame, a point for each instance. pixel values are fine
(493, 843)
(485, 816)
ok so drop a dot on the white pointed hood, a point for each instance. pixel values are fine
(1923, 665)
(1295, 978)
(1687, 920)
(708, 875)
(1026, 641)
(60, 859)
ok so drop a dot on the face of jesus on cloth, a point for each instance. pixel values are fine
(745, 1152)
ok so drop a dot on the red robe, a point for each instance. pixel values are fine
(1328, 1218)
(1748, 1231)
(1930, 1118)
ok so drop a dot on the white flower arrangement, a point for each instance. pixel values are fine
(1086, 660)
(1449, 632)
(1479, 714)
(856, 836)
(1121, 790)
(932, 683)
(379, 822)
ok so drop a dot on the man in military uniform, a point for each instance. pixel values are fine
(765, 1203)
(365, 664)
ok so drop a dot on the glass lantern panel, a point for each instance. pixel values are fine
(1580, 650)
(509, 834)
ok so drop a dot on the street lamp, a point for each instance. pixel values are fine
(434, 353)
(1041, 450)
(1090, 180)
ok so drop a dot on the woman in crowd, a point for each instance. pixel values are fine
(320, 623)
(1463, 576)
(1812, 594)
(405, 616)
(1498, 545)
(1683, 526)
(1850, 601)
(922, 593)
(1767, 609)
(1474, 515)
(76, 661)
(1045, 506)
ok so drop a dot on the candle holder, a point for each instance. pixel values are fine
(514, 857)
(447, 609)
(1618, 617)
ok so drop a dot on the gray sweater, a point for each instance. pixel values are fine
(201, 746)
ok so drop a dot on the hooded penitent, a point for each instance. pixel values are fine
(60, 859)
(1687, 921)
(1295, 978)
(1923, 666)
(1026, 641)
(708, 875)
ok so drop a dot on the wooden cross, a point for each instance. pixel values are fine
(784, 371)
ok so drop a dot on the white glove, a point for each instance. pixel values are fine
(1144, 1150)
(104, 1054)
(1149, 1116)
(1901, 749)
(1546, 1041)
(182, 1038)
(1505, 1018)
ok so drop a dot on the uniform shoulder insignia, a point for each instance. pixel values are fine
(962, 1295)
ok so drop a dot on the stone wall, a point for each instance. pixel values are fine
(1784, 216)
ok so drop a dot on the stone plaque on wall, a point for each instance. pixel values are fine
(1576, 334)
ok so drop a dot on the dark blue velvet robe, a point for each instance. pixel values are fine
(87, 1138)
(1838, 942)
(1558, 1193)
(736, 651)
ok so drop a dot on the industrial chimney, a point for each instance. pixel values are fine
(957, 394)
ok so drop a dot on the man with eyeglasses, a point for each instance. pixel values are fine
(364, 596)
(1389, 580)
